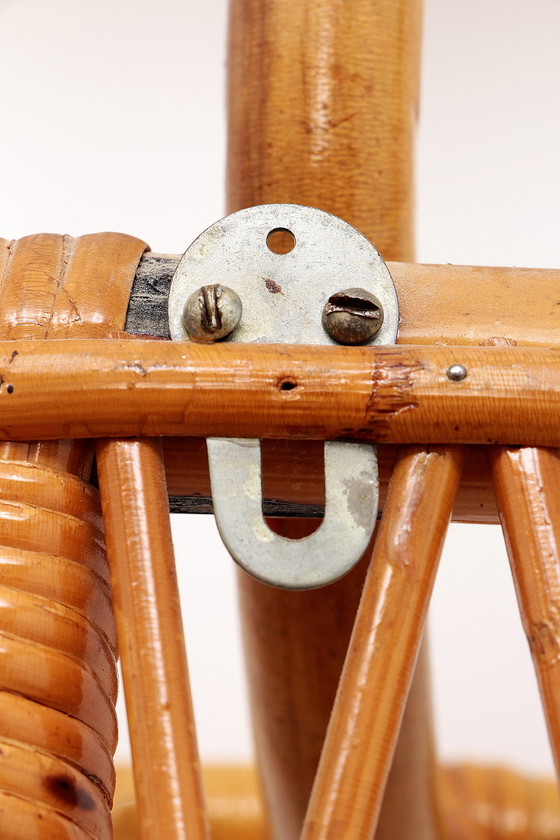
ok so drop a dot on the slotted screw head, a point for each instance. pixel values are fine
(352, 316)
(212, 312)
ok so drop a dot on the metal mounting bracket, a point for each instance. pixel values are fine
(284, 273)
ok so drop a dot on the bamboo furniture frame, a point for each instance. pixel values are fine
(327, 120)
(387, 394)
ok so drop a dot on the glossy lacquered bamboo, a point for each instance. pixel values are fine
(234, 800)
(358, 750)
(438, 304)
(293, 472)
(57, 635)
(148, 614)
(510, 395)
(70, 288)
(323, 101)
(468, 305)
(527, 486)
(58, 726)
(295, 643)
(302, 483)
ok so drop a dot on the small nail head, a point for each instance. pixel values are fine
(456, 373)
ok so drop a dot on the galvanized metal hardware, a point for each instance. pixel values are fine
(456, 373)
(212, 312)
(352, 316)
(287, 264)
(283, 295)
(351, 484)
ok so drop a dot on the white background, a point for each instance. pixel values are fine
(113, 119)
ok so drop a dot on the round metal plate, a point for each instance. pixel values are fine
(283, 295)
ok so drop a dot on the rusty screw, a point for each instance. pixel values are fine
(352, 316)
(212, 312)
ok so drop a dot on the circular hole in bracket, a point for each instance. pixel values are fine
(281, 241)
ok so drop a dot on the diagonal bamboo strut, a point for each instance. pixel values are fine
(527, 487)
(162, 733)
(362, 734)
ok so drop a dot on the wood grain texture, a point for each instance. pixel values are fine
(150, 631)
(57, 636)
(322, 102)
(364, 726)
(527, 486)
(511, 395)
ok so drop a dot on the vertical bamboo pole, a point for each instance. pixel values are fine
(149, 628)
(322, 102)
(323, 99)
(527, 487)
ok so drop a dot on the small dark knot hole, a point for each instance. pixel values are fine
(286, 384)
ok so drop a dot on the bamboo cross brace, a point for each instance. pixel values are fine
(527, 486)
(364, 726)
(53, 389)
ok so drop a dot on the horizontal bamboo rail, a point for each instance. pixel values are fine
(293, 479)
(438, 304)
(53, 389)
